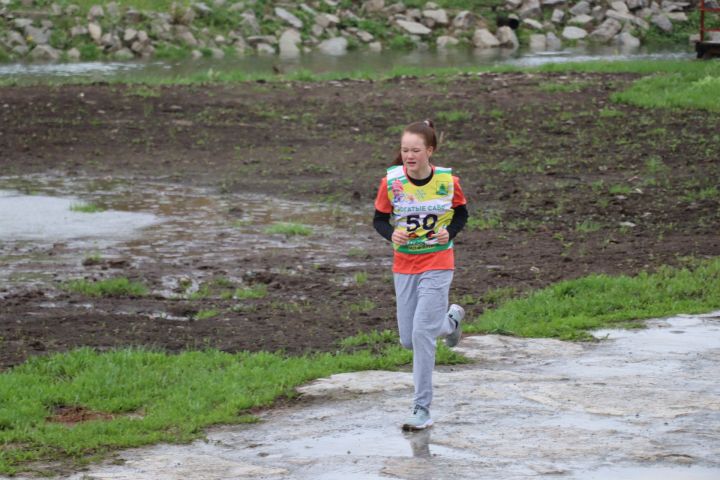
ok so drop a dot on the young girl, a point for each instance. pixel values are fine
(428, 210)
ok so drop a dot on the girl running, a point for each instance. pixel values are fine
(428, 209)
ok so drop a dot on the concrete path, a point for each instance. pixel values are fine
(640, 405)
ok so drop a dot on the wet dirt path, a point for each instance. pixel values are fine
(641, 404)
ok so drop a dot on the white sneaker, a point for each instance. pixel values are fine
(456, 313)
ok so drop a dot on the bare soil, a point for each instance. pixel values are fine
(565, 181)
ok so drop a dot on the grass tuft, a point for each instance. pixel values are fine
(111, 287)
(289, 229)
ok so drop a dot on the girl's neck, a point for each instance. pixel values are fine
(421, 175)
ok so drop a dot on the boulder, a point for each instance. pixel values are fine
(482, 38)
(414, 28)
(619, 6)
(334, 46)
(538, 42)
(326, 20)
(627, 40)
(113, 9)
(677, 16)
(598, 13)
(95, 12)
(375, 47)
(552, 41)
(45, 52)
(184, 35)
(22, 23)
(134, 16)
(464, 20)
(507, 38)
(201, 8)
(662, 22)
(372, 6)
(73, 54)
(557, 16)
(14, 38)
(129, 35)
(217, 53)
(95, 31)
(551, 3)
(606, 31)
(249, 23)
(534, 24)
(446, 41)
(581, 8)
(620, 16)
(38, 36)
(365, 37)
(512, 4)
(288, 17)
(438, 16)
(530, 8)
(581, 20)
(123, 54)
(574, 33)
(636, 4)
(288, 43)
(78, 30)
(264, 49)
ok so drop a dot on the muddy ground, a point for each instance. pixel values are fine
(561, 182)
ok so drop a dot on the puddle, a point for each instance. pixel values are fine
(652, 473)
(179, 231)
(51, 219)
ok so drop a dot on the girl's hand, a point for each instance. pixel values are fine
(400, 237)
(443, 236)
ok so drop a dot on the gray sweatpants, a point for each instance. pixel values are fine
(422, 305)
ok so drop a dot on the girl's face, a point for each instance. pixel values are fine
(415, 155)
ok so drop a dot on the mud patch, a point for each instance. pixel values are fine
(73, 414)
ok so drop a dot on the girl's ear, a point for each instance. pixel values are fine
(430, 150)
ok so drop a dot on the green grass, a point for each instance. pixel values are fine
(205, 314)
(569, 309)
(255, 291)
(156, 397)
(289, 229)
(111, 287)
(556, 87)
(86, 207)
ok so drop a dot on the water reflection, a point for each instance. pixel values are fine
(419, 443)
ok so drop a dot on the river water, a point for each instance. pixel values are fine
(320, 63)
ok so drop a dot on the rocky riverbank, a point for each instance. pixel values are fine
(31, 29)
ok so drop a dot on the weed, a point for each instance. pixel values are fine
(587, 226)
(361, 278)
(487, 220)
(363, 306)
(288, 229)
(255, 291)
(86, 207)
(206, 314)
(111, 287)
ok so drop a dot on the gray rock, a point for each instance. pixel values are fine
(530, 8)
(73, 54)
(606, 31)
(482, 38)
(184, 35)
(20, 50)
(574, 33)
(375, 47)
(317, 30)
(21, 23)
(72, 10)
(507, 38)
(111, 42)
(619, 6)
(95, 31)
(14, 38)
(327, 20)
(45, 52)
(217, 53)
(112, 9)
(677, 16)
(95, 12)
(288, 43)
(258, 39)
(538, 42)
(553, 42)
(371, 6)
(249, 23)
(662, 22)
(219, 3)
(438, 16)
(395, 8)
(446, 41)
(56, 9)
(641, 23)
(636, 4)
(196, 54)
(240, 46)
(598, 13)
(123, 54)
(129, 35)
(201, 8)
(551, 3)
(414, 14)
(464, 20)
(627, 40)
(580, 8)
(236, 7)
(78, 30)
(414, 28)
(557, 16)
(581, 20)
(365, 37)
(534, 24)
(512, 4)
(264, 49)
(334, 46)
(620, 16)
(308, 9)
(288, 17)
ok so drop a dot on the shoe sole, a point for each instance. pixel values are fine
(414, 428)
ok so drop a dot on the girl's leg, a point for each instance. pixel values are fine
(429, 322)
(407, 299)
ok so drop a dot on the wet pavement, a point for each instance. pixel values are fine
(641, 404)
